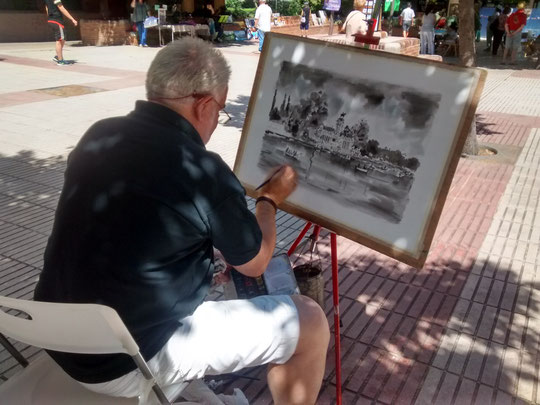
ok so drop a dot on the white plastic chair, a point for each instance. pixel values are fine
(73, 328)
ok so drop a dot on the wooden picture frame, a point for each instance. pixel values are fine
(375, 137)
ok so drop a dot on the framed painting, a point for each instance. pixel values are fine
(375, 138)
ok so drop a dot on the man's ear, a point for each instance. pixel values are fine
(199, 109)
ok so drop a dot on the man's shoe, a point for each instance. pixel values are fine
(145, 46)
(62, 62)
(55, 58)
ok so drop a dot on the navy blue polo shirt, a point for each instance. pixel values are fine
(142, 206)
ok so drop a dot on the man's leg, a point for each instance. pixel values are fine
(513, 57)
(143, 35)
(140, 28)
(261, 40)
(298, 381)
(59, 49)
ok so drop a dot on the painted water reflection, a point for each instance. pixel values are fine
(371, 185)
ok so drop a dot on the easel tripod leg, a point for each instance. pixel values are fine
(335, 296)
(299, 239)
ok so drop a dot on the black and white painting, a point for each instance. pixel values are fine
(375, 138)
(359, 141)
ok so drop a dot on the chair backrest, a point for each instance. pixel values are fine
(74, 328)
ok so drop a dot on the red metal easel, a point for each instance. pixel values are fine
(335, 293)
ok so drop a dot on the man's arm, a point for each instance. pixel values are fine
(278, 189)
(518, 31)
(66, 13)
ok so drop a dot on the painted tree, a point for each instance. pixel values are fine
(467, 57)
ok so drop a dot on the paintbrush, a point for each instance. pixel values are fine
(264, 183)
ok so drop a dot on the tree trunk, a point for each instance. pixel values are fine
(467, 57)
(467, 52)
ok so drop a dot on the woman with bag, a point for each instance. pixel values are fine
(304, 19)
(140, 12)
(356, 21)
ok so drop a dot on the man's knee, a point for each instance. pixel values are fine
(313, 323)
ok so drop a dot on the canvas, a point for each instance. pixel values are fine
(375, 138)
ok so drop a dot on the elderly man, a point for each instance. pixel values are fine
(143, 205)
(513, 27)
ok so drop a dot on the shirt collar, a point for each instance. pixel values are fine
(164, 115)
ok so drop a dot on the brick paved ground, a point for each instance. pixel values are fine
(462, 329)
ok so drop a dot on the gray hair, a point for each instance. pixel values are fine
(184, 67)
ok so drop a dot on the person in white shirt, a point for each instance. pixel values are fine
(263, 17)
(407, 17)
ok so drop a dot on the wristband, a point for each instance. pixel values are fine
(269, 200)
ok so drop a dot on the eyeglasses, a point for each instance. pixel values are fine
(222, 110)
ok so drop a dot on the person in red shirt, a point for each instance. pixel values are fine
(513, 27)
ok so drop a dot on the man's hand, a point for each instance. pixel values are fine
(74, 21)
(282, 183)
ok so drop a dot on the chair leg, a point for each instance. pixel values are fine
(14, 352)
(141, 364)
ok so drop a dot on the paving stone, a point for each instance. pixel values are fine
(465, 393)
(429, 388)
(484, 395)
(461, 352)
(527, 376)
(492, 364)
(447, 389)
(476, 359)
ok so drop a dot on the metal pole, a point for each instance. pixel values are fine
(299, 239)
(335, 293)
(331, 28)
(13, 351)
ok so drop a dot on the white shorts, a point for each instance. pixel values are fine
(220, 337)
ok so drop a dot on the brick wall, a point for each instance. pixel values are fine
(292, 27)
(403, 46)
(31, 26)
(105, 32)
(295, 29)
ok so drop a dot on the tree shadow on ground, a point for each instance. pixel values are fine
(483, 126)
(237, 110)
(398, 328)
(397, 323)
(29, 192)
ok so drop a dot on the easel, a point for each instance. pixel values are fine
(368, 39)
(335, 293)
